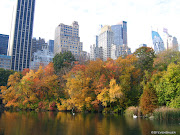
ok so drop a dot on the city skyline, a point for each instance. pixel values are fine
(140, 16)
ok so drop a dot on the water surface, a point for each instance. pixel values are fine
(61, 123)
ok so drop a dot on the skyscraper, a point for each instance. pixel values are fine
(124, 32)
(157, 42)
(105, 40)
(21, 34)
(118, 34)
(3, 44)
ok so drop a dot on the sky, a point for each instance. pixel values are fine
(142, 16)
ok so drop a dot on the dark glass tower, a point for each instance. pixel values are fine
(3, 44)
(51, 45)
(21, 35)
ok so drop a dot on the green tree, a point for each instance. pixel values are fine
(62, 60)
(4, 75)
(146, 57)
(168, 89)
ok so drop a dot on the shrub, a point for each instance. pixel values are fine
(132, 110)
(165, 113)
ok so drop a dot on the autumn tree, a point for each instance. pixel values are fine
(165, 58)
(112, 95)
(129, 80)
(78, 89)
(9, 95)
(25, 71)
(148, 100)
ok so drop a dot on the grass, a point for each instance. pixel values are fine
(165, 113)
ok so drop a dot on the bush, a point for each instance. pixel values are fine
(132, 110)
(165, 113)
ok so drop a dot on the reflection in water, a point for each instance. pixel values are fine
(55, 123)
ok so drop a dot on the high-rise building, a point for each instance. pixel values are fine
(157, 42)
(112, 42)
(38, 44)
(67, 39)
(123, 25)
(105, 40)
(118, 34)
(51, 45)
(20, 41)
(3, 44)
(170, 42)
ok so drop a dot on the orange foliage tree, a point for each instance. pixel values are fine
(148, 100)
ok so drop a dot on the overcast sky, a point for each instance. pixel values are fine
(139, 14)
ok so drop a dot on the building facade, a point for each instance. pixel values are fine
(51, 45)
(124, 32)
(20, 41)
(170, 42)
(3, 44)
(67, 39)
(112, 42)
(157, 42)
(105, 40)
(119, 50)
(38, 44)
(5, 62)
(95, 52)
(41, 57)
(118, 34)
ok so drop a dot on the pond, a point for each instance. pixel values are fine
(62, 123)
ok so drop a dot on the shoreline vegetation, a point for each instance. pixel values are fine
(144, 79)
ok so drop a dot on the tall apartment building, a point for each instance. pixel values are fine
(67, 39)
(3, 44)
(51, 45)
(105, 40)
(20, 40)
(38, 44)
(157, 42)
